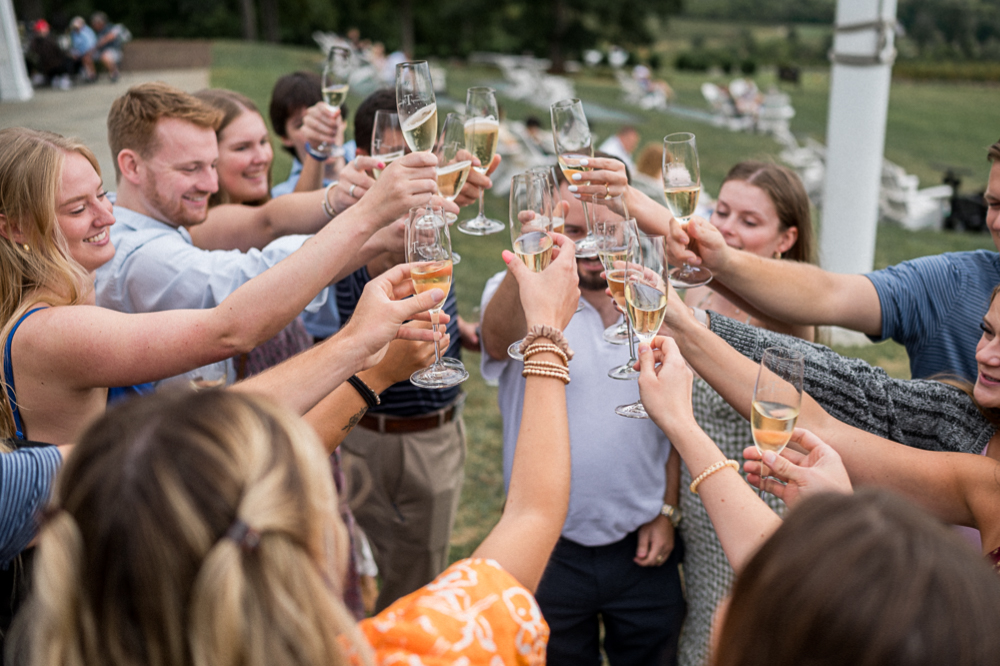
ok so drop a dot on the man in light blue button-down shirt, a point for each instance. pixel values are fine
(165, 149)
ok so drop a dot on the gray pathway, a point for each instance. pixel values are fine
(82, 112)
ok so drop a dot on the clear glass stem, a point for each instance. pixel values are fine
(437, 345)
(482, 213)
(632, 360)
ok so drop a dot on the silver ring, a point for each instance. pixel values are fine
(350, 192)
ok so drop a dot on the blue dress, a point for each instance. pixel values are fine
(114, 394)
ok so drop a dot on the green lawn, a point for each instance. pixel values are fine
(930, 124)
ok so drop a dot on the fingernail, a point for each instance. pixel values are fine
(643, 348)
(769, 457)
(381, 165)
(577, 176)
(572, 188)
(437, 295)
(507, 256)
(577, 196)
(584, 163)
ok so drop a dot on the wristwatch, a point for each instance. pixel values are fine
(672, 513)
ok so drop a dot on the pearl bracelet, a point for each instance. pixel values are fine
(712, 469)
(539, 372)
(327, 206)
(539, 347)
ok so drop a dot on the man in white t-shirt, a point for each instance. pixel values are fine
(615, 562)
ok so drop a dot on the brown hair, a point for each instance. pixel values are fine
(133, 117)
(232, 105)
(994, 153)
(145, 558)
(790, 200)
(31, 163)
(867, 580)
(650, 161)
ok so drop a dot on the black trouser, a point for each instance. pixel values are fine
(642, 608)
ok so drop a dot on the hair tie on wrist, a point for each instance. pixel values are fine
(550, 332)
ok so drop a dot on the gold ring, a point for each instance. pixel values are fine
(607, 191)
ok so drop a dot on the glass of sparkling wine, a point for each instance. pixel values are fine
(454, 161)
(574, 147)
(335, 86)
(682, 185)
(387, 139)
(613, 229)
(548, 173)
(416, 105)
(777, 399)
(530, 224)
(645, 300)
(428, 250)
(482, 134)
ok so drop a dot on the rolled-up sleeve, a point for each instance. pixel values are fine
(26, 478)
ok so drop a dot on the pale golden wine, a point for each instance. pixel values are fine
(570, 164)
(616, 283)
(611, 255)
(481, 138)
(682, 200)
(420, 130)
(335, 95)
(559, 225)
(451, 179)
(646, 306)
(432, 275)
(771, 424)
(387, 159)
(534, 249)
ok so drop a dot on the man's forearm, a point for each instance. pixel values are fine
(503, 321)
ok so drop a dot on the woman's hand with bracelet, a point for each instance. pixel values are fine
(819, 471)
(665, 386)
(548, 297)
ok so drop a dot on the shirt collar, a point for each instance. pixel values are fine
(127, 217)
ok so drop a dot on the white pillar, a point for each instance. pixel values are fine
(14, 83)
(860, 76)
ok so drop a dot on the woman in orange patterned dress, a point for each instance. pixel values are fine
(202, 529)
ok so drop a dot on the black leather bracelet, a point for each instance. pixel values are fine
(364, 390)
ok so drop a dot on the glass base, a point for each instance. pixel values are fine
(513, 350)
(450, 217)
(480, 226)
(624, 372)
(633, 411)
(616, 334)
(450, 372)
(586, 247)
(688, 277)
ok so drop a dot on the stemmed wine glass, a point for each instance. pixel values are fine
(387, 139)
(428, 249)
(454, 163)
(530, 224)
(574, 145)
(547, 174)
(335, 86)
(482, 134)
(681, 186)
(612, 229)
(777, 399)
(645, 299)
(416, 105)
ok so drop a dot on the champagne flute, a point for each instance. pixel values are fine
(612, 230)
(482, 134)
(645, 299)
(574, 147)
(416, 105)
(547, 174)
(681, 186)
(335, 86)
(454, 163)
(428, 249)
(387, 139)
(777, 399)
(530, 224)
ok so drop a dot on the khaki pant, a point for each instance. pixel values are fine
(404, 491)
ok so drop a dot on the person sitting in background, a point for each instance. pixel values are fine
(224, 507)
(109, 45)
(299, 118)
(47, 62)
(82, 43)
(621, 145)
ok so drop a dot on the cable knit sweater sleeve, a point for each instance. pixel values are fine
(924, 414)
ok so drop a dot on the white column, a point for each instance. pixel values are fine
(861, 73)
(14, 83)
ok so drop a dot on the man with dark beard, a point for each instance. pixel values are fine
(615, 562)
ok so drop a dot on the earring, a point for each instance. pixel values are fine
(777, 255)
(26, 247)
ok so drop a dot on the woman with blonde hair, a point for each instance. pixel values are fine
(199, 529)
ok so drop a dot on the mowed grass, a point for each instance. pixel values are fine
(929, 125)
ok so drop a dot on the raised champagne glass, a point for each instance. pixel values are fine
(335, 86)
(482, 134)
(416, 105)
(777, 399)
(530, 224)
(547, 173)
(681, 186)
(387, 139)
(612, 229)
(428, 249)
(574, 148)
(454, 163)
(645, 299)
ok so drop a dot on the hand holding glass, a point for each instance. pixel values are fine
(681, 186)
(482, 134)
(335, 86)
(530, 224)
(387, 139)
(777, 399)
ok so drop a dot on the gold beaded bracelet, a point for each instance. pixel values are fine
(550, 332)
(539, 347)
(712, 469)
(558, 367)
(541, 372)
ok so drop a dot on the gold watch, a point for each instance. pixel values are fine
(672, 513)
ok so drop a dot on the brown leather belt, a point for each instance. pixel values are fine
(384, 423)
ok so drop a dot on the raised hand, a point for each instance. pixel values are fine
(820, 471)
(408, 182)
(404, 356)
(548, 297)
(665, 386)
(323, 124)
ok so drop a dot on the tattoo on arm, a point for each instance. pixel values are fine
(354, 420)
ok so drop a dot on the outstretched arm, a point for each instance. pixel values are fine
(538, 496)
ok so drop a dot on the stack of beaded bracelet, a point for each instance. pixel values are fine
(327, 206)
(546, 368)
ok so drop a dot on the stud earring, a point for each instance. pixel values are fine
(26, 247)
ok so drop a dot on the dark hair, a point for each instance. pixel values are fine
(532, 121)
(561, 177)
(790, 200)
(865, 579)
(994, 153)
(291, 93)
(383, 99)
